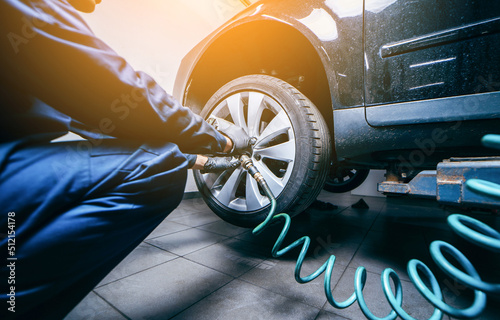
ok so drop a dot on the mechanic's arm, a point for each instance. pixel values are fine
(52, 54)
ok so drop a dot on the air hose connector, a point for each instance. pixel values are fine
(248, 165)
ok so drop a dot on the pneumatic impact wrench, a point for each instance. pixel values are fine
(248, 165)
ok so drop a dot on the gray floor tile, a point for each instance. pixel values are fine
(227, 257)
(187, 241)
(343, 251)
(418, 204)
(337, 240)
(377, 261)
(279, 278)
(325, 237)
(196, 219)
(189, 207)
(409, 219)
(362, 219)
(388, 234)
(323, 315)
(167, 227)
(389, 238)
(94, 308)
(249, 246)
(413, 302)
(143, 257)
(193, 205)
(163, 291)
(265, 241)
(339, 233)
(433, 234)
(223, 228)
(321, 211)
(460, 297)
(382, 251)
(240, 300)
(177, 213)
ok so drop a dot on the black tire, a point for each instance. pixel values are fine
(343, 179)
(292, 150)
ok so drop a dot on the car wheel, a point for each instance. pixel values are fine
(342, 179)
(291, 150)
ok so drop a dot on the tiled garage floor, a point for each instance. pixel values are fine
(195, 266)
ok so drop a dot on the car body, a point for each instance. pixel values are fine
(401, 84)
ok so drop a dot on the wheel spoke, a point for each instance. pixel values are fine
(264, 118)
(280, 124)
(213, 180)
(253, 197)
(274, 182)
(284, 151)
(255, 108)
(228, 191)
(235, 106)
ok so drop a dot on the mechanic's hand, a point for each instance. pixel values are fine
(214, 165)
(237, 135)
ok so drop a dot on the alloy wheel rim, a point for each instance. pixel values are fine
(274, 151)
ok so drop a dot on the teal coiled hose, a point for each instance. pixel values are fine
(467, 227)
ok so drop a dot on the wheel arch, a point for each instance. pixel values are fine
(261, 47)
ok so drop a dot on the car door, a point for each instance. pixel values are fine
(431, 60)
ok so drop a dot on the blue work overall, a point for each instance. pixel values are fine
(71, 211)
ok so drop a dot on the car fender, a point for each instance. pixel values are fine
(320, 25)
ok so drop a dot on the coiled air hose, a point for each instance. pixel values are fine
(467, 227)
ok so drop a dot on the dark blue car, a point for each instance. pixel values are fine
(333, 88)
